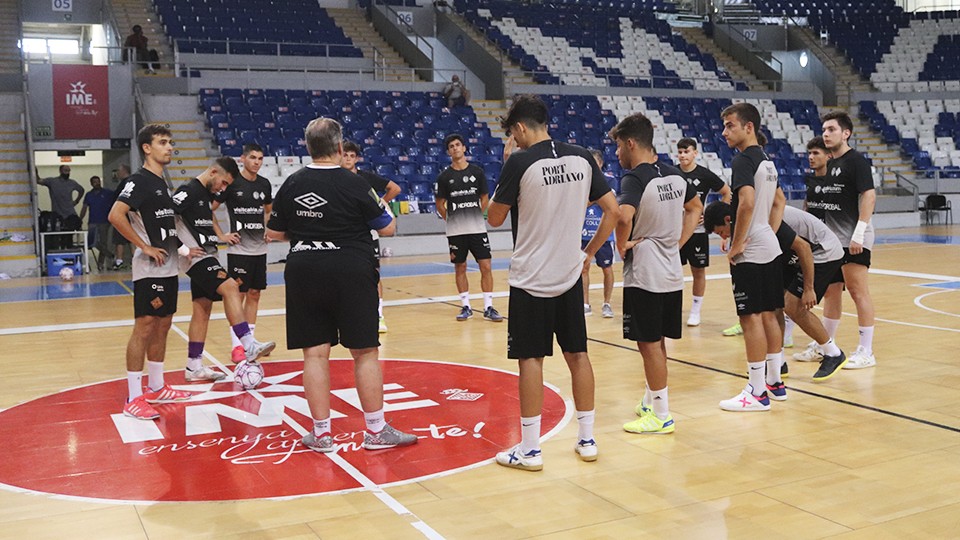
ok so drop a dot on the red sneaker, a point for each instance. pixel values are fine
(166, 395)
(140, 409)
(238, 354)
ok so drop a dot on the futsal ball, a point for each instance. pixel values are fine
(66, 274)
(249, 375)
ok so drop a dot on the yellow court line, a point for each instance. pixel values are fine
(124, 285)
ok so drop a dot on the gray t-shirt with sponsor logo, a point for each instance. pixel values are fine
(753, 168)
(154, 220)
(658, 192)
(462, 191)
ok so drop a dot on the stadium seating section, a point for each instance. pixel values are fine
(897, 51)
(624, 44)
(287, 27)
(927, 130)
(401, 133)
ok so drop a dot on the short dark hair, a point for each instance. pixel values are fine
(637, 127)
(527, 109)
(686, 142)
(714, 214)
(94, 177)
(137, 28)
(228, 164)
(746, 112)
(842, 118)
(148, 132)
(252, 147)
(597, 154)
(323, 136)
(350, 146)
(453, 137)
(817, 142)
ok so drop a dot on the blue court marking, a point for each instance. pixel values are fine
(918, 238)
(951, 285)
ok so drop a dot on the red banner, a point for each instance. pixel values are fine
(81, 102)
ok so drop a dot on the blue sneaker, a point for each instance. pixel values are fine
(531, 461)
(465, 313)
(491, 314)
(777, 392)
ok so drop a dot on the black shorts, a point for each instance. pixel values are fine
(119, 239)
(604, 256)
(206, 276)
(376, 251)
(534, 321)
(249, 271)
(696, 251)
(757, 287)
(649, 317)
(332, 298)
(863, 258)
(155, 297)
(478, 244)
(823, 275)
(791, 268)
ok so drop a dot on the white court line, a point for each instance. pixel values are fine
(362, 479)
(436, 300)
(918, 301)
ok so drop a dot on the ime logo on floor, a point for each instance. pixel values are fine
(229, 444)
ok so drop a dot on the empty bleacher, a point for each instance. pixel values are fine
(625, 44)
(251, 27)
(927, 130)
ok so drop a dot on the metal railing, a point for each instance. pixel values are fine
(410, 30)
(773, 84)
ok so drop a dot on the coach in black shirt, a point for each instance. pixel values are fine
(326, 213)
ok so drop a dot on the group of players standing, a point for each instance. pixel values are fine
(548, 188)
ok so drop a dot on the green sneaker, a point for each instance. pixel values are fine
(651, 424)
(735, 330)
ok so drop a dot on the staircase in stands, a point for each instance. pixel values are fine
(193, 147)
(514, 77)
(366, 38)
(696, 36)
(847, 77)
(132, 12)
(9, 35)
(17, 258)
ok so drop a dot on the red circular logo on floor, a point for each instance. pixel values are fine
(228, 444)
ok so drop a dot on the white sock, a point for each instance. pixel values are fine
(321, 427)
(697, 304)
(155, 375)
(465, 299)
(252, 328)
(529, 433)
(647, 396)
(487, 300)
(830, 325)
(234, 340)
(757, 373)
(661, 404)
(374, 421)
(773, 363)
(380, 308)
(118, 262)
(830, 348)
(134, 384)
(194, 364)
(585, 425)
(788, 326)
(866, 338)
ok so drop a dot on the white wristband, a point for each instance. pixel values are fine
(859, 231)
(183, 251)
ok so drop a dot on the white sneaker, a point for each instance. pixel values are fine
(745, 401)
(813, 353)
(694, 319)
(587, 310)
(205, 373)
(587, 450)
(860, 359)
(258, 349)
(607, 311)
(531, 461)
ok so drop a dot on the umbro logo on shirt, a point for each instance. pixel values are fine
(310, 201)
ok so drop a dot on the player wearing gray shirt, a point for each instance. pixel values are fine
(62, 189)
(659, 210)
(756, 273)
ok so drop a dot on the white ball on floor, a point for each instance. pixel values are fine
(66, 274)
(248, 375)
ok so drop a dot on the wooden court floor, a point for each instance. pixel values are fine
(869, 454)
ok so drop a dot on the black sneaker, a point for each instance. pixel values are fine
(829, 366)
(784, 370)
(465, 313)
